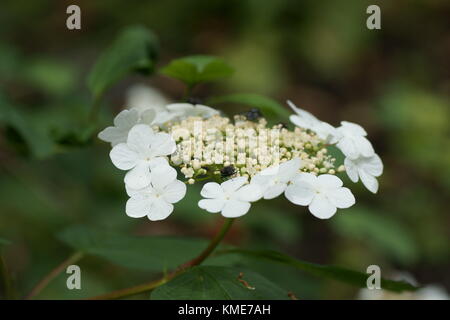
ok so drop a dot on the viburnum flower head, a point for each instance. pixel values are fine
(274, 180)
(366, 169)
(156, 200)
(265, 161)
(123, 123)
(231, 198)
(143, 151)
(322, 194)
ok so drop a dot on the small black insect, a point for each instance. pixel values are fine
(193, 100)
(253, 114)
(227, 171)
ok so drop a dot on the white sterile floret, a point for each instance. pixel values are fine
(306, 120)
(185, 110)
(142, 152)
(352, 141)
(366, 169)
(123, 122)
(232, 198)
(274, 180)
(156, 200)
(322, 194)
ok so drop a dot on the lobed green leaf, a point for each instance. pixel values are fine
(219, 283)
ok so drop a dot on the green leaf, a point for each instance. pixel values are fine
(193, 70)
(37, 142)
(143, 253)
(269, 107)
(351, 277)
(383, 231)
(134, 50)
(219, 283)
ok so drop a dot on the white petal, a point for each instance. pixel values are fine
(139, 193)
(274, 190)
(299, 122)
(137, 208)
(305, 177)
(126, 118)
(162, 145)
(321, 207)
(159, 210)
(211, 190)
(348, 148)
(353, 128)
(235, 208)
(211, 205)
(113, 135)
(140, 137)
(162, 176)
(233, 184)
(157, 162)
(327, 132)
(341, 198)
(300, 193)
(174, 192)
(369, 181)
(351, 169)
(123, 157)
(180, 108)
(205, 111)
(163, 117)
(293, 106)
(288, 169)
(329, 181)
(139, 177)
(251, 192)
(364, 146)
(148, 116)
(262, 179)
(373, 165)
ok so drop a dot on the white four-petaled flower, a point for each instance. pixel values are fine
(322, 194)
(274, 180)
(366, 169)
(123, 123)
(232, 198)
(143, 151)
(156, 200)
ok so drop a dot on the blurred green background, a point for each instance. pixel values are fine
(394, 81)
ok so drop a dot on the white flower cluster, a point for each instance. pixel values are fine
(361, 161)
(247, 160)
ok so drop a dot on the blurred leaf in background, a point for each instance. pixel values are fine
(134, 50)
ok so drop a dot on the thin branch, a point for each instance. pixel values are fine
(53, 274)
